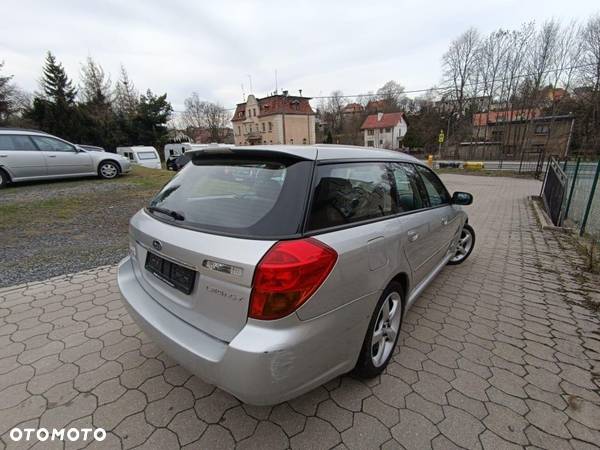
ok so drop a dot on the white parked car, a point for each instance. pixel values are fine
(142, 155)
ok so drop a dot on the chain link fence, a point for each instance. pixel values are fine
(581, 203)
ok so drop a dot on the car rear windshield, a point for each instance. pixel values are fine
(239, 195)
(146, 155)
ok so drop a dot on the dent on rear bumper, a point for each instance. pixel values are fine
(267, 362)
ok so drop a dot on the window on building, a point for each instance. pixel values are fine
(497, 135)
(239, 130)
(370, 144)
(270, 126)
(380, 141)
(388, 130)
(257, 127)
(263, 127)
(254, 111)
(291, 141)
(304, 141)
(370, 132)
(542, 129)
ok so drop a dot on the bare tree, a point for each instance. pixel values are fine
(13, 100)
(200, 114)
(95, 84)
(392, 93)
(126, 97)
(590, 81)
(332, 112)
(458, 67)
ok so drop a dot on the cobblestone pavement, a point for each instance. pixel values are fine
(498, 353)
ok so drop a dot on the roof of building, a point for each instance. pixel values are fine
(513, 115)
(318, 152)
(352, 108)
(382, 120)
(276, 104)
(516, 115)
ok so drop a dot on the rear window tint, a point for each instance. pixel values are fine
(253, 197)
(15, 142)
(348, 193)
(407, 187)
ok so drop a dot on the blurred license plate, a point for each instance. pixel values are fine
(176, 276)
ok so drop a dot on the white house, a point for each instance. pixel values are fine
(384, 130)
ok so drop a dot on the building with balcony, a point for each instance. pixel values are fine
(277, 119)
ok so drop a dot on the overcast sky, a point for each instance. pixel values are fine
(211, 47)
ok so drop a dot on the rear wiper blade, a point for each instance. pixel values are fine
(174, 214)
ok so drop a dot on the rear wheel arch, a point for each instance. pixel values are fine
(403, 279)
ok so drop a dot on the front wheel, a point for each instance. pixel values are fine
(382, 334)
(465, 245)
(108, 170)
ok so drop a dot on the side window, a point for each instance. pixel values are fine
(347, 193)
(16, 142)
(407, 187)
(437, 193)
(48, 144)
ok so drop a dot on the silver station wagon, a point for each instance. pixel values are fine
(27, 155)
(268, 271)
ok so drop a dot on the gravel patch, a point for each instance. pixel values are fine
(52, 229)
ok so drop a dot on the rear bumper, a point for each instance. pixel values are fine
(267, 362)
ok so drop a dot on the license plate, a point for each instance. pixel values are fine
(176, 276)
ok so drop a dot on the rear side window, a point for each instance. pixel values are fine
(436, 191)
(407, 187)
(16, 142)
(48, 144)
(242, 195)
(348, 193)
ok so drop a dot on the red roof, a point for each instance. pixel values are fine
(276, 104)
(353, 108)
(515, 115)
(387, 120)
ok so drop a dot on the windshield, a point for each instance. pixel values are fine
(146, 155)
(249, 197)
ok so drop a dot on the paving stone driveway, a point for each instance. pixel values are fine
(498, 353)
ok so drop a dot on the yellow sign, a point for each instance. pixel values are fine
(441, 137)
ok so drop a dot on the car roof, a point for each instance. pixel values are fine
(14, 130)
(319, 152)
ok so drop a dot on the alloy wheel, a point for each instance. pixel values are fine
(386, 329)
(464, 246)
(108, 170)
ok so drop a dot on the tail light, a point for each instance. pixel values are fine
(288, 275)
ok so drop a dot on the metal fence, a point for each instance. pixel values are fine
(580, 206)
(553, 191)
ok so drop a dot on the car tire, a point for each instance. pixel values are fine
(4, 180)
(382, 334)
(465, 245)
(108, 170)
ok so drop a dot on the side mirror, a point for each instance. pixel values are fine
(462, 198)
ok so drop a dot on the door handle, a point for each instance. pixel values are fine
(51, 156)
(413, 236)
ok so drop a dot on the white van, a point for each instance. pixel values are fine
(142, 155)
